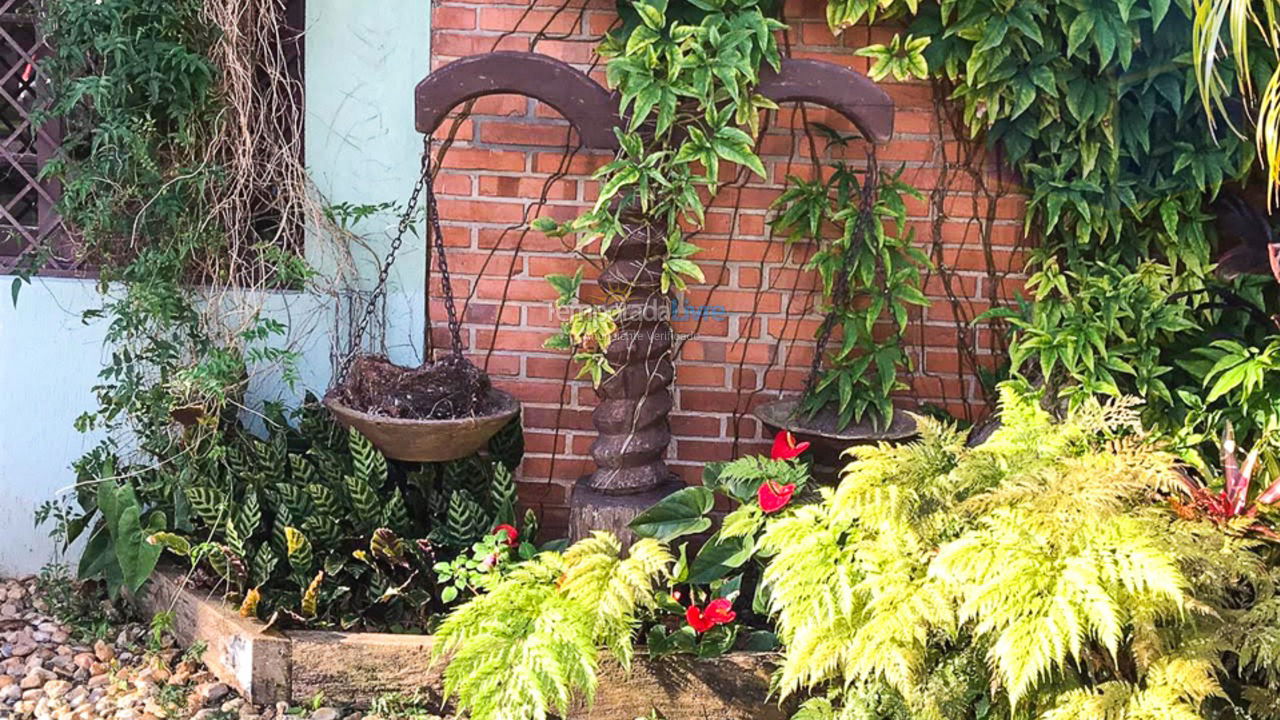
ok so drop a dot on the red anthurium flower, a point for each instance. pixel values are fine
(773, 497)
(785, 446)
(513, 535)
(718, 612)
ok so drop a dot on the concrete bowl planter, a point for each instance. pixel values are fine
(268, 666)
(826, 443)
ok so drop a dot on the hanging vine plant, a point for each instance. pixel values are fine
(870, 272)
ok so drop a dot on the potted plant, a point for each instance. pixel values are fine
(870, 275)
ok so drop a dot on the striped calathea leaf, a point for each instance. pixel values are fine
(314, 525)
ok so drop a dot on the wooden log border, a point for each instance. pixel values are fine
(270, 666)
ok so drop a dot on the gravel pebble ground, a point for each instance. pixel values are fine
(53, 671)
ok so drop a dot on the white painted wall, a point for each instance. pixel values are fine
(361, 148)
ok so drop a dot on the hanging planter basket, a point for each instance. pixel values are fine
(428, 440)
(443, 410)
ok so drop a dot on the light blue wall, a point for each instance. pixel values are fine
(363, 60)
(362, 66)
(49, 362)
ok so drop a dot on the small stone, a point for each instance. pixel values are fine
(10, 694)
(78, 696)
(326, 713)
(211, 692)
(22, 649)
(35, 678)
(104, 652)
(56, 688)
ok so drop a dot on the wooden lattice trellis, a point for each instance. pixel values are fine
(31, 231)
(29, 223)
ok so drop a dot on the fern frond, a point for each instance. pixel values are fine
(530, 644)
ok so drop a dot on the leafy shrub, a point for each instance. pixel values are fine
(311, 522)
(1038, 575)
(531, 643)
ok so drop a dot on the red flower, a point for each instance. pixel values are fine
(513, 535)
(773, 497)
(785, 446)
(718, 612)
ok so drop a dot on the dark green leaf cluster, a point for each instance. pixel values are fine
(311, 522)
(870, 272)
(1094, 105)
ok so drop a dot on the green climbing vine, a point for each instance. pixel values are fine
(1094, 106)
(686, 74)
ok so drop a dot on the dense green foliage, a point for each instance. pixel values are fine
(312, 522)
(1038, 575)
(1094, 106)
(138, 94)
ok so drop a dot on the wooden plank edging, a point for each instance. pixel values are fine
(355, 668)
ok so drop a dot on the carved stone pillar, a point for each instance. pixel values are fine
(631, 418)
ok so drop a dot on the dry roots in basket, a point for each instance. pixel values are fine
(449, 388)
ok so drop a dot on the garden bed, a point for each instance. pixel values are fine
(268, 666)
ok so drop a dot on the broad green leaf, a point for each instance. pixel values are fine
(720, 556)
(681, 513)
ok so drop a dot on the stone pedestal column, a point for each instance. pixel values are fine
(631, 418)
(634, 402)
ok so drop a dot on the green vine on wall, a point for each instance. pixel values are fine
(686, 74)
(686, 79)
(1094, 106)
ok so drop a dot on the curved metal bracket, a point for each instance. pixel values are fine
(846, 91)
(582, 101)
(593, 110)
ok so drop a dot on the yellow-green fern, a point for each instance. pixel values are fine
(1038, 566)
(531, 644)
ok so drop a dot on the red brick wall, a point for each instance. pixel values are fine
(505, 158)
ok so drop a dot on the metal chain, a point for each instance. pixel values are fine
(406, 222)
(433, 222)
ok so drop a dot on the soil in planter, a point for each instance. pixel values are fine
(449, 388)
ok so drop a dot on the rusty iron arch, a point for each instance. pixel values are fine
(593, 110)
(631, 419)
